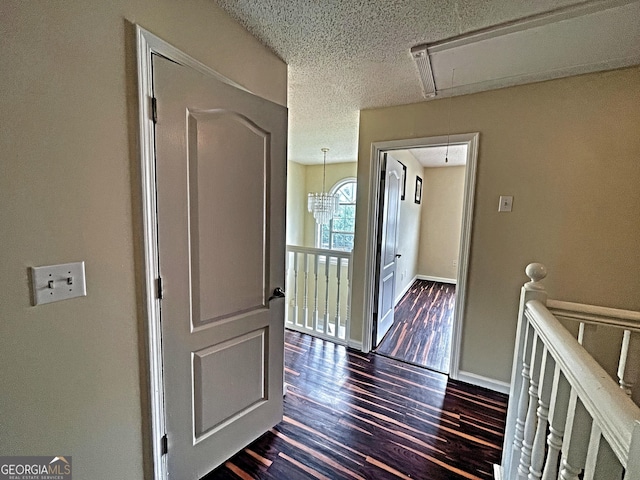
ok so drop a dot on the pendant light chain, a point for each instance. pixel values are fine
(446, 155)
(324, 168)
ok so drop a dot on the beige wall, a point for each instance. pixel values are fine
(313, 183)
(71, 370)
(409, 227)
(296, 203)
(442, 201)
(568, 151)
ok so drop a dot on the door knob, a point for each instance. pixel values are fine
(398, 255)
(277, 293)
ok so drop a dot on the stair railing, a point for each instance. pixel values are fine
(318, 292)
(567, 418)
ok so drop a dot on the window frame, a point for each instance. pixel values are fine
(318, 231)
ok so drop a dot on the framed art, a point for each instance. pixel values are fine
(418, 197)
(404, 181)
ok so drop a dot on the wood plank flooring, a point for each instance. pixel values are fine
(423, 322)
(348, 415)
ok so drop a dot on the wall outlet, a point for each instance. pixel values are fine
(454, 263)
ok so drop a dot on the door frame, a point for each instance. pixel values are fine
(377, 150)
(148, 44)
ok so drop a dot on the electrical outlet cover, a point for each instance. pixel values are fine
(506, 203)
(57, 282)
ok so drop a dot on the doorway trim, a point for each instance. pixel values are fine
(147, 45)
(377, 149)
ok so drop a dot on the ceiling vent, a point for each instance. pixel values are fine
(421, 57)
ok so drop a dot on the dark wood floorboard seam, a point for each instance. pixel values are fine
(422, 327)
(354, 416)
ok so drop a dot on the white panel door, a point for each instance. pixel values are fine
(388, 254)
(221, 179)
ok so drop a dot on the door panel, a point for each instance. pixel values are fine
(220, 167)
(228, 276)
(389, 239)
(242, 357)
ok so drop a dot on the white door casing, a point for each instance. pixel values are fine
(220, 168)
(388, 243)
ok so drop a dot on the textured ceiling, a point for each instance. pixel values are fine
(348, 55)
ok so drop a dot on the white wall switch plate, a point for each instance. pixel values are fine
(58, 282)
(506, 203)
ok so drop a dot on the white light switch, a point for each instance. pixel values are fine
(58, 282)
(506, 202)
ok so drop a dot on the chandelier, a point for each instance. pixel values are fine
(324, 206)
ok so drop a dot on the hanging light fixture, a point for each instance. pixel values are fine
(323, 205)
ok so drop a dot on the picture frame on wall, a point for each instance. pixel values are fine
(418, 197)
(404, 181)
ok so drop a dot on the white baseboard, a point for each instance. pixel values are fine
(437, 279)
(497, 471)
(405, 290)
(485, 382)
(355, 345)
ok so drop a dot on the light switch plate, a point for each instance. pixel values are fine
(57, 282)
(506, 203)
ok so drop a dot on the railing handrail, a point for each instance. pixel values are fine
(607, 404)
(626, 319)
(320, 251)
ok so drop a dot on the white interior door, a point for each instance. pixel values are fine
(388, 251)
(220, 163)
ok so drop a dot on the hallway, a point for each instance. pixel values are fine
(421, 332)
(349, 415)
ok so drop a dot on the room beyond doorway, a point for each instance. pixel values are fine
(416, 193)
(421, 333)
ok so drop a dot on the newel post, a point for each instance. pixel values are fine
(518, 394)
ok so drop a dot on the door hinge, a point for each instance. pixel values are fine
(154, 109)
(159, 287)
(164, 441)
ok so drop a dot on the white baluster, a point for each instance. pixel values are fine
(544, 392)
(338, 278)
(347, 332)
(314, 315)
(557, 418)
(523, 403)
(288, 286)
(518, 398)
(531, 419)
(588, 337)
(295, 288)
(305, 293)
(327, 267)
(574, 448)
(629, 366)
(602, 463)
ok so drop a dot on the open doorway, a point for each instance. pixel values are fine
(427, 252)
(431, 264)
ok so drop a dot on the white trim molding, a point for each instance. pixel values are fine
(484, 382)
(356, 345)
(430, 278)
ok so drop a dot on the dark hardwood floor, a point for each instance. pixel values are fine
(348, 415)
(423, 322)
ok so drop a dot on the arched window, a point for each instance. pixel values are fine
(338, 234)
